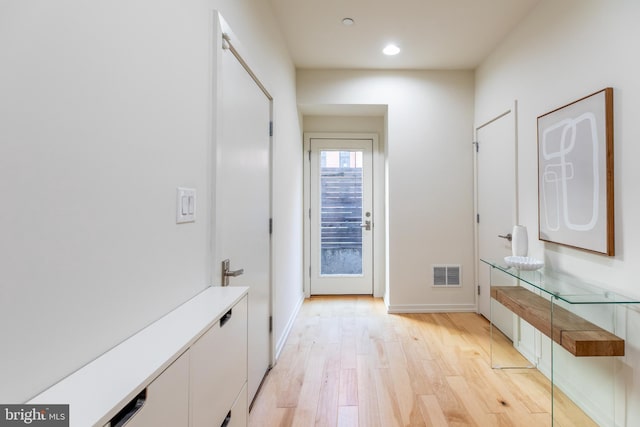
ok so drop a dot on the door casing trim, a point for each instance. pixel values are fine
(379, 229)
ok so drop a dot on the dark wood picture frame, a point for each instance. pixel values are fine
(575, 174)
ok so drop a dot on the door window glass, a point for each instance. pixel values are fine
(341, 212)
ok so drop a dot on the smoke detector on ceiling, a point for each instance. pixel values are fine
(348, 22)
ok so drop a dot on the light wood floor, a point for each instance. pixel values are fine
(348, 363)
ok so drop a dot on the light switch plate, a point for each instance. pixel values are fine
(185, 205)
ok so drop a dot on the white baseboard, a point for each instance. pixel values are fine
(287, 330)
(430, 308)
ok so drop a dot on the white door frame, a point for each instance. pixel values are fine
(379, 227)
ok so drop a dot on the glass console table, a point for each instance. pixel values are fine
(577, 344)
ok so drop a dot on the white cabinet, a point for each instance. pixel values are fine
(166, 400)
(187, 369)
(239, 410)
(219, 370)
(208, 381)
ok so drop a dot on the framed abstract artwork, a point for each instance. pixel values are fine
(575, 174)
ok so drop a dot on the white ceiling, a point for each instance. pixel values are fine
(433, 34)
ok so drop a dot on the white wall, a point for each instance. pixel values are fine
(351, 124)
(430, 178)
(106, 108)
(562, 52)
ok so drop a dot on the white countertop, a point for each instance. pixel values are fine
(97, 391)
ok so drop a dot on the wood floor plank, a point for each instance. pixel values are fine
(494, 399)
(305, 413)
(293, 366)
(452, 408)
(418, 378)
(363, 337)
(348, 394)
(378, 353)
(567, 414)
(472, 402)
(348, 352)
(413, 340)
(403, 386)
(284, 417)
(533, 394)
(327, 413)
(498, 396)
(265, 411)
(432, 412)
(368, 412)
(388, 405)
(265, 407)
(348, 416)
(349, 363)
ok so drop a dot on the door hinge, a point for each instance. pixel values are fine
(309, 272)
(309, 155)
(309, 213)
(478, 289)
(270, 323)
(477, 144)
(478, 218)
(270, 225)
(270, 128)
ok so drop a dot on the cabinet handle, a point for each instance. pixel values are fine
(227, 420)
(129, 410)
(224, 319)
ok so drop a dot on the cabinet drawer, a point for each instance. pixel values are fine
(166, 402)
(219, 368)
(239, 410)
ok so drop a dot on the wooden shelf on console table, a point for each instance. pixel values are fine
(578, 336)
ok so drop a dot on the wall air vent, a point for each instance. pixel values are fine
(446, 276)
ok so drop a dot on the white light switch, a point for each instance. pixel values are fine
(192, 205)
(185, 205)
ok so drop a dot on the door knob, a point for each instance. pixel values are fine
(508, 236)
(227, 272)
(366, 225)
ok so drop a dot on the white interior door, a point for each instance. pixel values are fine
(341, 216)
(496, 195)
(243, 193)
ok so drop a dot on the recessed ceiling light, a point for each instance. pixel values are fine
(348, 22)
(391, 49)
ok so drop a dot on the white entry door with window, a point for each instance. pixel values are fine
(341, 218)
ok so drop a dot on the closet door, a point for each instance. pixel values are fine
(243, 202)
